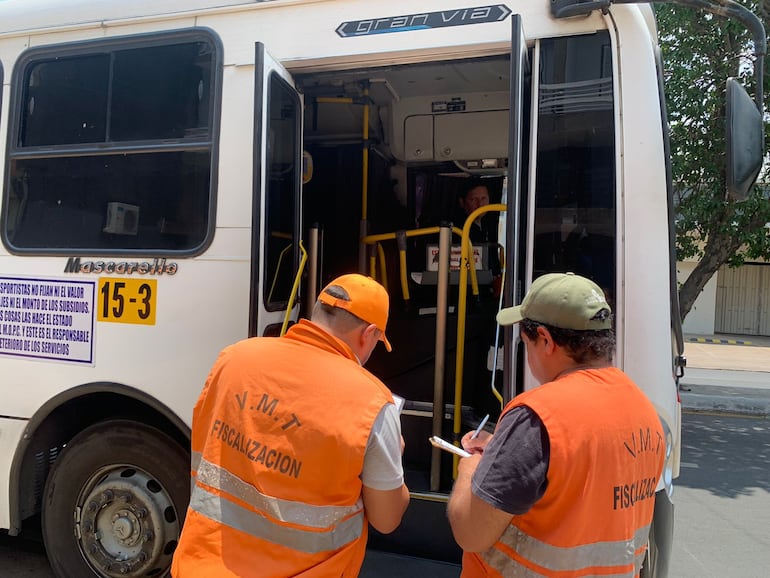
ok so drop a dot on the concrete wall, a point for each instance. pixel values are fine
(700, 320)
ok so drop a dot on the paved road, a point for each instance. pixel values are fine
(384, 565)
(23, 558)
(722, 502)
(722, 498)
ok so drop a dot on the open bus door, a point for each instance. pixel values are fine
(513, 289)
(277, 181)
(424, 531)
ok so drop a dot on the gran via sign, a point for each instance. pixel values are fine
(424, 20)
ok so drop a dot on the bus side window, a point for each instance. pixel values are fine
(91, 167)
(66, 102)
(152, 100)
(17, 202)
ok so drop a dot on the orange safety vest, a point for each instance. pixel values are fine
(278, 441)
(607, 453)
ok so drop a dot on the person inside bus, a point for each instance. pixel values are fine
(474, 194)
(296, 447)
(566, 484)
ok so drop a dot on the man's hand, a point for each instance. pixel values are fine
(475, 445)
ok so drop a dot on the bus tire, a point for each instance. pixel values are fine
(650, 559)
(115, 501)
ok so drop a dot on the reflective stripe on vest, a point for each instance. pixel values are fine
(329, 527)
(558, 559)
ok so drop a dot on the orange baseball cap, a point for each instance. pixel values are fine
(368, 300)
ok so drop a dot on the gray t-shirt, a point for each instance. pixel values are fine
(512, 473)
(383, 469)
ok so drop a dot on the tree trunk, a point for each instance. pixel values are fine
(718, 249)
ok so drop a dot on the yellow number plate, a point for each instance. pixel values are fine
(127, 300)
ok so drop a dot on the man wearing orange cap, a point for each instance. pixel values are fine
(295, 447)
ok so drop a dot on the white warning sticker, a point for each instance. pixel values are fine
(47, 318)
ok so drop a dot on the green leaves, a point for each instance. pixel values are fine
(700, 51)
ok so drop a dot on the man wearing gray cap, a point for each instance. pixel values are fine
(566, 484)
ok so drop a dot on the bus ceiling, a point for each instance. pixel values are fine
(412, 101)
(393, 83)
(744, 128)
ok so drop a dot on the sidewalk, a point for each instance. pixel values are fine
(727, 374)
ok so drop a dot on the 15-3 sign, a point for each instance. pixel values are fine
(127, 300)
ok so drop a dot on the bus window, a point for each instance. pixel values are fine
(65, 101)
(282, 183)
(575, 189)
(112, 148)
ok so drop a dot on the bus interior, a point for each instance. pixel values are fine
(427, 129)
(414, 181)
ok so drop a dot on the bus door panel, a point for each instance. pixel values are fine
(515, 198)
(277, 178)
(571, 220)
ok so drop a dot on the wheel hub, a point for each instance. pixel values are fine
(126, 527)
(127, 523)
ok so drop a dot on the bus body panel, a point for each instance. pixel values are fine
(148, 360)
(313, 26)
(204, 305)
(644, 218)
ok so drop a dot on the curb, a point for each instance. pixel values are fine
(724, 388)
(738, 401)
(719, 341)
(726, 406)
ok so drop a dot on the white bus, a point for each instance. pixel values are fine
(170, 163)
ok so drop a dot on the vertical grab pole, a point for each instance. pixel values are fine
(312, 274)
(444, 244)
(462, 291)
(364, 227)
(401, 242)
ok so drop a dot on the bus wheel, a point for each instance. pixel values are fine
(115, 501)
(650, 564)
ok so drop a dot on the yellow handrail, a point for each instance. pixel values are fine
(277, 270)
(373, 265)
(279, 235)
(370, 239)
(465, 265)
(378, 238)
(496, 393)
(294, 288)
(383, 268)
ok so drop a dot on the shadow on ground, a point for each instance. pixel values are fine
(737, 458)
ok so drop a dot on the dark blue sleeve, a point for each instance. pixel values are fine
(512, 473)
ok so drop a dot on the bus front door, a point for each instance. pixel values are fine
(277, 182)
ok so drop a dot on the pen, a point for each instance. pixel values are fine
(481, 425)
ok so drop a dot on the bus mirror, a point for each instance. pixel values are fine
(744, 141)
